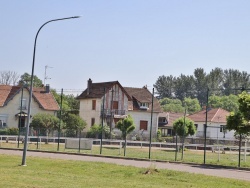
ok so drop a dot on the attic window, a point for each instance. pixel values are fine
(144, 105)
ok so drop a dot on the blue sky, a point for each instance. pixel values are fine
(132, 41)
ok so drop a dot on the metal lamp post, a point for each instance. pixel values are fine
(31, 88)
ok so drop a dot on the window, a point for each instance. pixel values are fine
(143, 125)
(92, 121)
(221, 128)
(3, 121)
(115, 105)
(23, 104)
(144, 105)
(93, 104)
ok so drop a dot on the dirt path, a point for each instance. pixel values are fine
(199, 169)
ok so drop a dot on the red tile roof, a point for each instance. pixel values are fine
(45, 100)
(216, 115)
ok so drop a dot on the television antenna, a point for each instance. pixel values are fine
(45, 74)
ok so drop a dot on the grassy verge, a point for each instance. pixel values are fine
(227, 159)
(65, 173)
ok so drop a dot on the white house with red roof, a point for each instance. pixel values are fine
(119, 101)
(216, 122)
(14, 102)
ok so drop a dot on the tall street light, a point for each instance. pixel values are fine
(31, 88)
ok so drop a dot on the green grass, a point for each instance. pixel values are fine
(42, 172)
(143, 153)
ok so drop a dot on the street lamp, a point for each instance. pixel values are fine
(31, 88)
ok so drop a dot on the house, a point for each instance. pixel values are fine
(112, 102)
(14, 103)
(216, 122)
(166, 120)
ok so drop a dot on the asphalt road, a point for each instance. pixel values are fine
(197, 169)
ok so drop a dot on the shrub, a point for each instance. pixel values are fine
(13, 131)
(3, 131)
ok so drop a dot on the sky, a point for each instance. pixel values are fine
(130, 41)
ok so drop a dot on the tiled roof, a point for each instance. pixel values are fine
(142, 95)
(45, 100)
(216, 115)
(96, 90)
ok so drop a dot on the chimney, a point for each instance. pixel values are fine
(89, 86)
(47, 88)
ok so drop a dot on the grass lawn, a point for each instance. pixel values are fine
(228, 159)
(42, 172)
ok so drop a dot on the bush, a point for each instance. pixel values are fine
(3, 131)
(13, 131)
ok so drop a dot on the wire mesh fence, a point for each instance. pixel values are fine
(217, 151)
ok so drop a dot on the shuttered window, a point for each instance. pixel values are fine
(143, 125)
(115, 105)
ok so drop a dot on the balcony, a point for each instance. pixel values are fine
(109, 112)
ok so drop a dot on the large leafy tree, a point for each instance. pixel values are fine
(44, 121)
(229, 103)
(165, 86)
(126, 126)
(25, 79)
(171, 105)
(192, 105)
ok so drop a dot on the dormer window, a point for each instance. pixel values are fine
(144, 105)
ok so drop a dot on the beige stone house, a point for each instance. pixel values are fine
(118, 101)
(14, 103)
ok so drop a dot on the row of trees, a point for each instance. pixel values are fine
(220, 82)
(229, 103)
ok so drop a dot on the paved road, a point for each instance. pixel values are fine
(198, 169)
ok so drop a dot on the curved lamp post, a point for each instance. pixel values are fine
(31, 88)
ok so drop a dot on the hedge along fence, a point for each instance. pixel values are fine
(9, 131)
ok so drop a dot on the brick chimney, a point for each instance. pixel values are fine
(47, 88)
(89, 86)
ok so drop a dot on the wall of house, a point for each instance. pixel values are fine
(87, 113)
(145, 116)
(116, 94)
(213, 131)
(13, 108)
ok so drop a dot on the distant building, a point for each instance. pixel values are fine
(14, 103)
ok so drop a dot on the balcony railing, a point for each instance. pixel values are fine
(109, 112)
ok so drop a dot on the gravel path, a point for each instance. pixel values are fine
(199, 169)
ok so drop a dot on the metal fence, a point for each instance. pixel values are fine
(217, 152)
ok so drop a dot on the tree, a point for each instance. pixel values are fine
(26, 78)
(229, 103)
(126, 126)
(8, 77)
(240, 121)
(215, 81)
(165, 86)
(74, 124)
(184, 87)
(200, 82)
(44, 121)
(192, 105)
(171, 105)
(183, 127)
